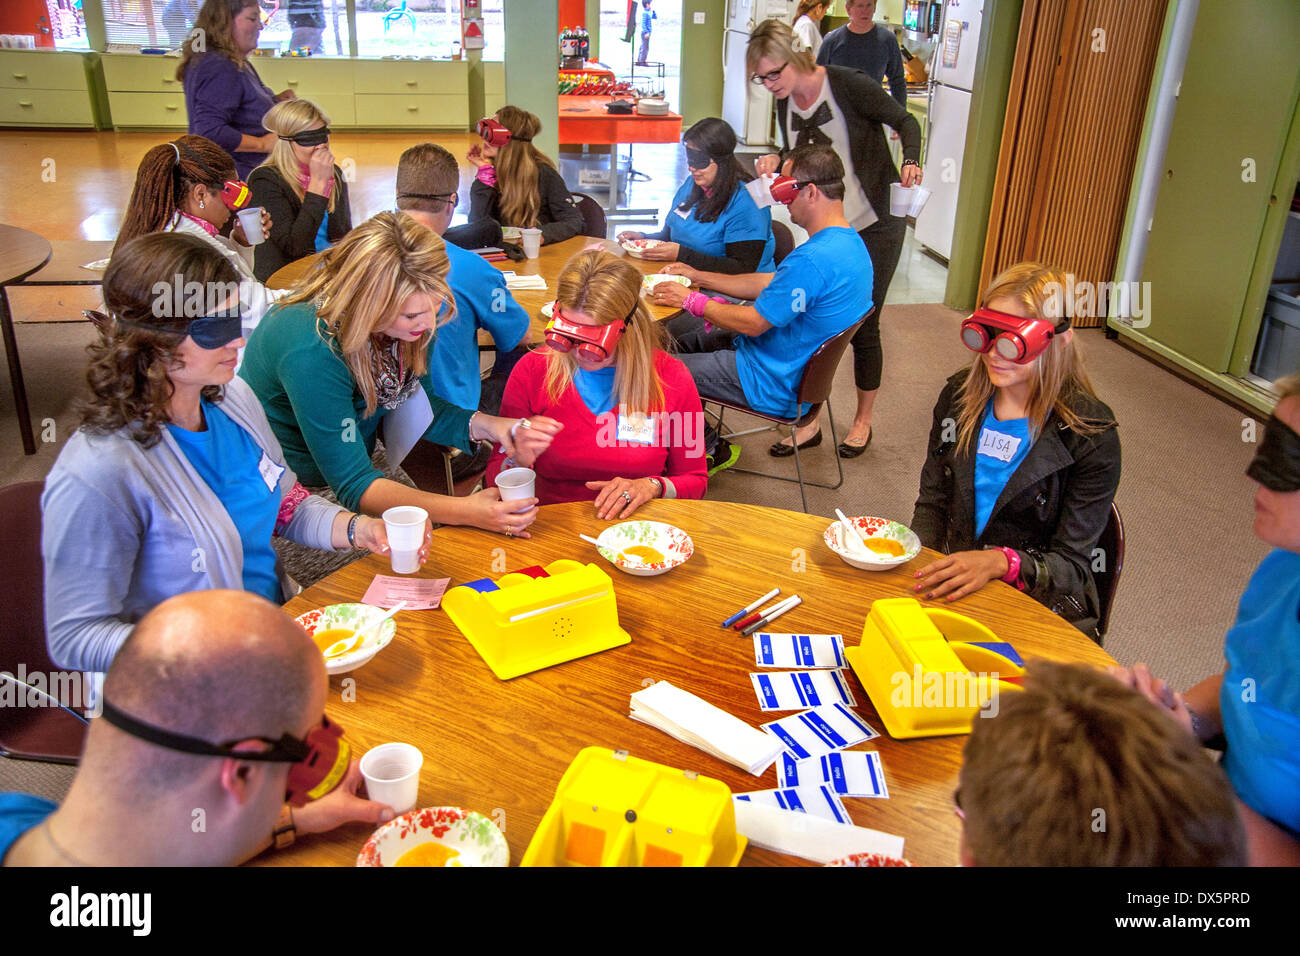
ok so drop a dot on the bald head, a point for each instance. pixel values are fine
(218, 665)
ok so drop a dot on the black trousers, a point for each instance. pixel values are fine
(884, 242)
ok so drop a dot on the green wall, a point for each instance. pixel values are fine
(701, 70)
(531, 66)
(988, 110)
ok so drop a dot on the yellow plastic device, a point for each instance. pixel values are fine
(614, 810)
(923, 670)
(529, 623)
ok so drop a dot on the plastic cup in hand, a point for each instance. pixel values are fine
(405, 527)
(900, 199)
(918, 202)
(531, 239)
(392, 774)
(251, 220)
(516, 483)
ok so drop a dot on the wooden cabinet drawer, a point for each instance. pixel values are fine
(412, 76)
(309, 77)
(42, 71)
(148, 109)
(397, 109)
(339, 107)
(141, 73)
(45, 108)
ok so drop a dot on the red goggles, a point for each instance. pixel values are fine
(235, 194)
(1015, 339)
(594, 343)
(785, 189)
(493, 133)
(319, 761)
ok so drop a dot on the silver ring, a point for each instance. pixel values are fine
(627, 497)
(525, 423)
(510, 532)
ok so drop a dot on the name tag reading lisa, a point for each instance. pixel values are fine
(637, 428)
(995, 444)
(270, 472)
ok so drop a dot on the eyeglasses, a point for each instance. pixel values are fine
(760, 79)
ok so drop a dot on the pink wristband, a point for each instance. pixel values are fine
(487, 174)
(1012, 576)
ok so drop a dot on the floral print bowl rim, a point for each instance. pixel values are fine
(476, 838)
(672, 542)
(637, 246)
(873, 527)
(356, 617)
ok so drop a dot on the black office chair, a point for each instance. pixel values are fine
(814, 388)
(1111, 544)
(784, 241)
(593, 216)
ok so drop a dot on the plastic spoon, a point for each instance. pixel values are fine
(362, 635)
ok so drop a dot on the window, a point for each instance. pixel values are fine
(425, 28)
(164, 24)
(68, 24)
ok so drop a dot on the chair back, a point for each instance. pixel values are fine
(784, 240)
(819, 373)
(1111, 544)
(43, 732)
(593, 216)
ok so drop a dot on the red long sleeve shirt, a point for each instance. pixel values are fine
(590, 449)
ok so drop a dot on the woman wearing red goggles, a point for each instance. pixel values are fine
(1023, 461)
(633, 425)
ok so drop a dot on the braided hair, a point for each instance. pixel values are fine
(166, 173)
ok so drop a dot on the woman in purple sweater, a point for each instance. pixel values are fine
(224, 96)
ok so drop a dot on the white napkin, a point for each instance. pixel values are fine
(810, 837)
(517, 283)
(697, 722)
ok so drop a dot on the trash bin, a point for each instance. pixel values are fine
(589, 172)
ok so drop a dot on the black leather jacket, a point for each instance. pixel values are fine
(1052, 510)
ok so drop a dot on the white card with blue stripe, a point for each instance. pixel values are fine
(798, 690)
(816, 801)
(820, 731)
(856, 773)
(799, 650)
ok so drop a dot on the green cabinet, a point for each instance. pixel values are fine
(45, 88)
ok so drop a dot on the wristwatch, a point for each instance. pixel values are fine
(285, 832)
(659, 486)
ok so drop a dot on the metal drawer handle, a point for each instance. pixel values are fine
(412, 109)
(412, 82)
(171, 107)
(292, 82)
(24, 102)
(20, 76)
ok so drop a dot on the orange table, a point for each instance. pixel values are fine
(583, 120)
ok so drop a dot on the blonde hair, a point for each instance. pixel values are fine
(288, 119)
(517, 166)
(1059, 373)
(775, 39)
(362, 282)
(608, 288)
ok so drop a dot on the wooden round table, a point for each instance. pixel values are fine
(500, 747)
(21, 253)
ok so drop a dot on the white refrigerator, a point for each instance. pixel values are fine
(952, 78)
(746, 106)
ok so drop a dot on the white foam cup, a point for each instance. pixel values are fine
(918, 202)
(251, 220)
(516, 483)
(531, 239)
(392, 774)
(405, 527)
(900, 199)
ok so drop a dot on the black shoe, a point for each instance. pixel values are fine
(724, 456)
(782, 450)
(853, 451)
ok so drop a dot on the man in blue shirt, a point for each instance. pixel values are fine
(755, 354)
(427, 179)
(861, 45)
(222, 670)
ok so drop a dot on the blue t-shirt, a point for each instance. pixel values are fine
(19, 812)
(230, 462)
(820, 289)
(1260, 697)
(740, 221)
(1002, 446)
(596, 389)
(482, 302)
(322, 234)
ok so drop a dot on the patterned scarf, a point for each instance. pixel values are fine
(809, 130)
(203, 224)
(304, 177)
(393, 383)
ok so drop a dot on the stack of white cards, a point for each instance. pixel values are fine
(697, 722)
(518, 283)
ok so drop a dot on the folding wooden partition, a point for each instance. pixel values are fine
(1074, 116)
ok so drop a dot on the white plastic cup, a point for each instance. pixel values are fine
(531, 239)
(517, 483)
(251, 220)
(900, 199)
(392, 774)
(405, 527)
(918, 203)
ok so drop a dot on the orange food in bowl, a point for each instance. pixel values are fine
(428, 854)
(645, 553)
(885, 546)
